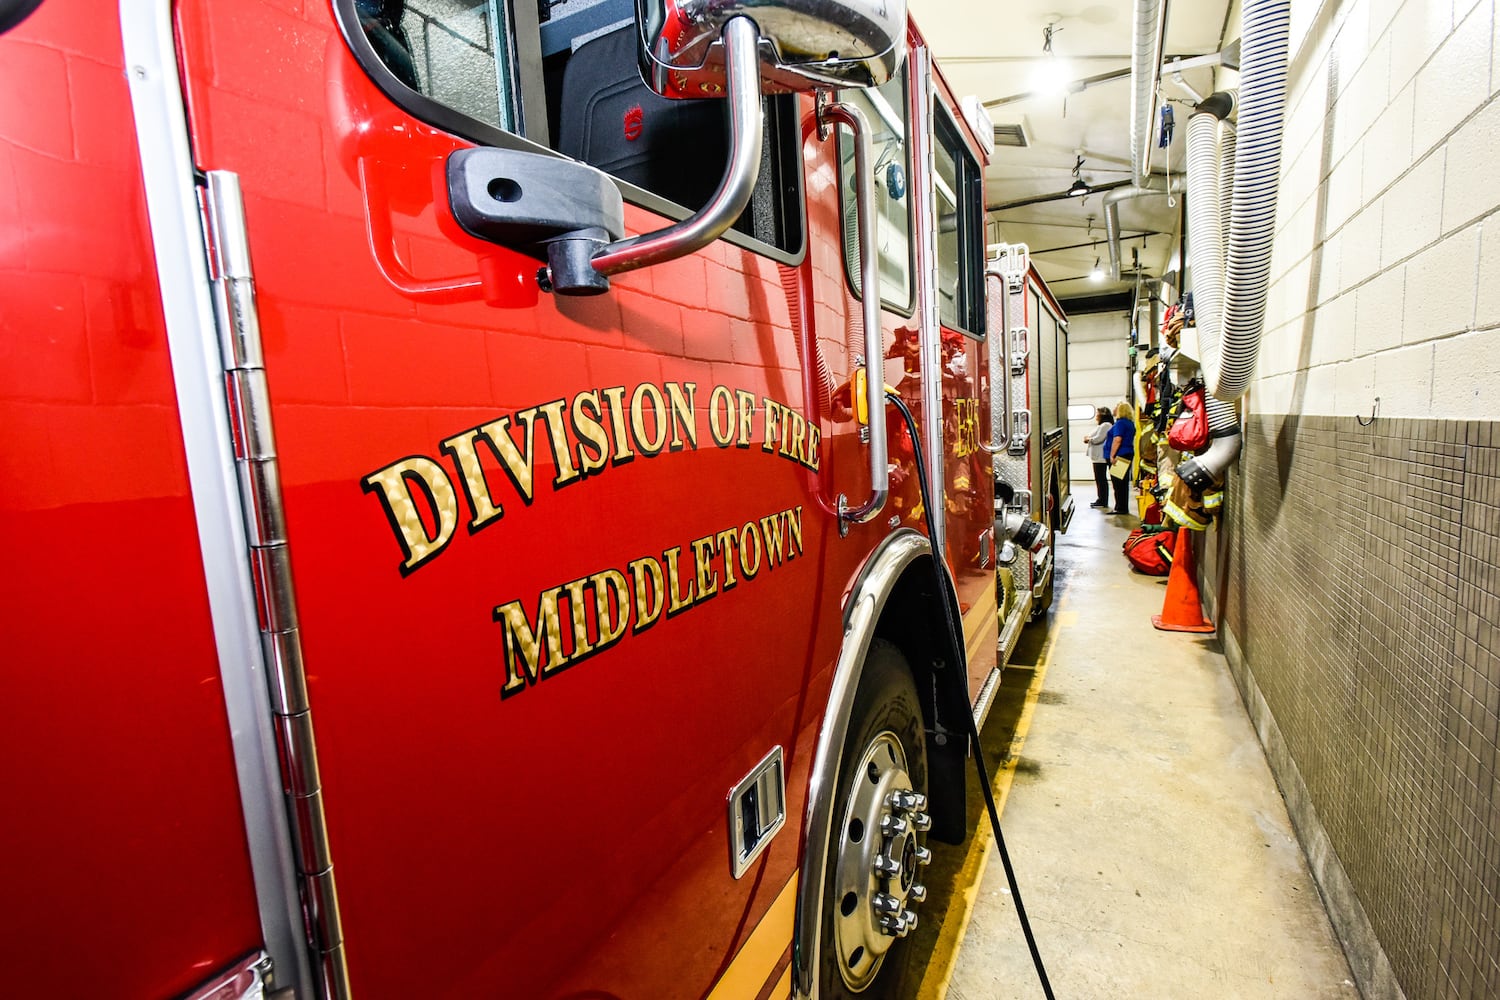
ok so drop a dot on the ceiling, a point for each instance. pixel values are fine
(995, 51)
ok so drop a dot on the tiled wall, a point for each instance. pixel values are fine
(1358, 581)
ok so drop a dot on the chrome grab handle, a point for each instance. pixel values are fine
(742, 74)
(998, 344)
(869, 284)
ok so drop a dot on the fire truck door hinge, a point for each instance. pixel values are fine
(248, 398)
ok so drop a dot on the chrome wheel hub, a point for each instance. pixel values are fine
(879, 862)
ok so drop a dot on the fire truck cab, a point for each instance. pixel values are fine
(463, 546)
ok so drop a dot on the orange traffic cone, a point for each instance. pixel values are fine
(1182, 611)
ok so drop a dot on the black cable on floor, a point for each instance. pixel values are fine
(948, 600)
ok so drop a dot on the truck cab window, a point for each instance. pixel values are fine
(564, 74)
(958, 201)
(885, 107)
(446, 50)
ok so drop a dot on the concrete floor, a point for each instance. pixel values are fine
(1152, 847)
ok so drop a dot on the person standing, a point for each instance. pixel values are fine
(1095, 440)
(1121, 446)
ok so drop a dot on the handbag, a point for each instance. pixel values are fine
(1189, 432)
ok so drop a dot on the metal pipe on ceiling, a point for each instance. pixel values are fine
(1156, 186)
(1145, 68)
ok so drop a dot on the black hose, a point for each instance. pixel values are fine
(948, 600)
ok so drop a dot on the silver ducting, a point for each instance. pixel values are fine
(1112, 214)
(1145, 61)
(1231, 271)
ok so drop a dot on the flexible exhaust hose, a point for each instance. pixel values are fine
(1204, 232)
(1229, 298)
(1229, 354)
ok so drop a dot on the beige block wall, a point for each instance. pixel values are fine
(1386, 266)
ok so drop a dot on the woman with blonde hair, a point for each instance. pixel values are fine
(1121, 446)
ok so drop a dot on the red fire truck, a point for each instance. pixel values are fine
(417, 371)
(1031, 471)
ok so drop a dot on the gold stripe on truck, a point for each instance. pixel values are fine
(762, 951)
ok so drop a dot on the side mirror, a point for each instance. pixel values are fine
(804, 44)
(689, 49)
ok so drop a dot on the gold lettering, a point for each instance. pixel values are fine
(677, 601)
(397, 484)
(638, 418)
(750, 533)
(578, 611)
(723, 435)
(615, 396)
(775, 539)
(773, 413)
(557, 435)
(525, 646)
(593, 443)
(650, 594)
(727, 539)
(460, 448)
(794, 530)
(518, 467)
(613, 616)
(746, 402)
(683, 418)
(814, 436)
(703, 562)
(796, 437)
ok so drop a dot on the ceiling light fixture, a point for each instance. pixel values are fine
(1079, 187)
(1053, 74)
(1097, 274)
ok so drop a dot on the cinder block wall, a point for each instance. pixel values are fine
(1356, 576)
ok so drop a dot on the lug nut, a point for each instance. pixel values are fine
(917, 893)
(906, 801)
(885, 903)
(899, 926)
(923, 856)
(920, 821)
(893, 826)
(887, 867)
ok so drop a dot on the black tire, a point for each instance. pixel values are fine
(887, 723)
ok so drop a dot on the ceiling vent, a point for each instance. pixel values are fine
(1011, 134)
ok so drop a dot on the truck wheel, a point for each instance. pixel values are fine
(876, 857)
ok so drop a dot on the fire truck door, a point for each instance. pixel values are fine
(128, 870)
(544, 549)
(962, 380)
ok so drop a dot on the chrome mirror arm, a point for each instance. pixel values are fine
(742, 73)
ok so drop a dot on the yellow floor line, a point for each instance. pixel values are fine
(939, 975)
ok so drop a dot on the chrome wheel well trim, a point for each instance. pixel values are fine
(867, 600)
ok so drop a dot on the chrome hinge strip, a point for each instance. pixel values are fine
(249, 403)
